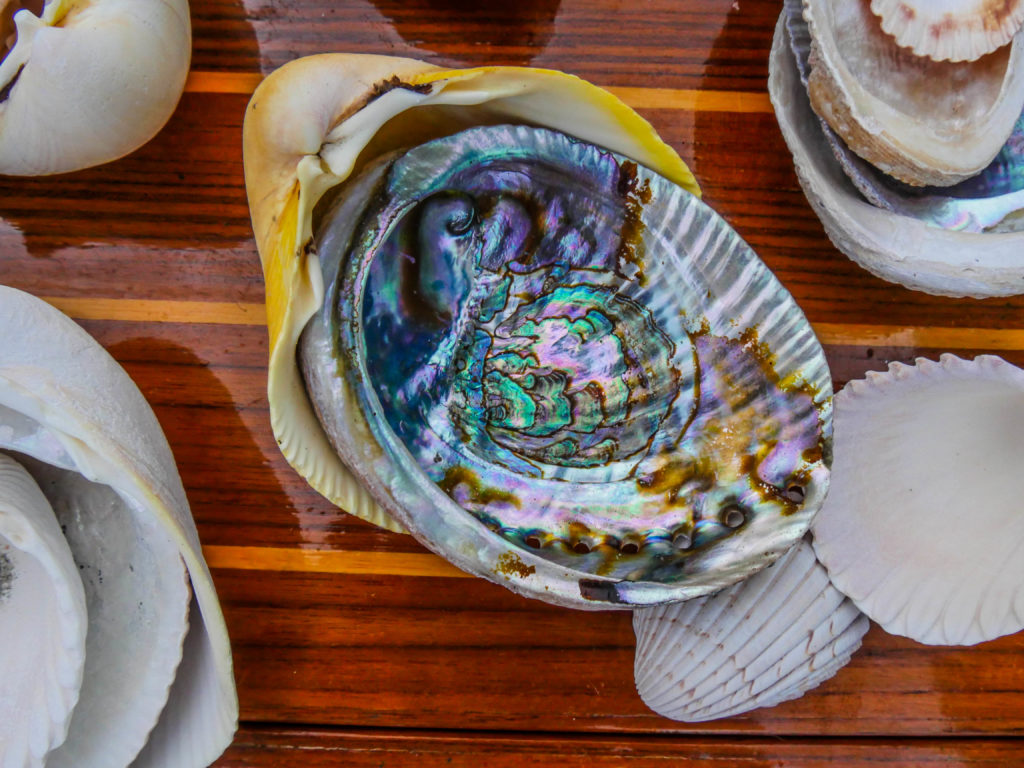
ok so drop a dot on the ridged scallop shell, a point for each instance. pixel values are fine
(990, 201)
(918, 120)
(922, 528)
(536, 353)
(315, 121)
(895, 247)
(954, 30)
(42, 623)
(75, 420)
(756, 644)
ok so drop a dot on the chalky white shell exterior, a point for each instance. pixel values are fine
(896, 248)
(65, 402)
(42, 623)
(922, 528)
(92, 81)
(756, 644)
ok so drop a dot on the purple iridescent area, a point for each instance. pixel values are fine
(568, 347)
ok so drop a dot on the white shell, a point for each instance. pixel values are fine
(66, 403)
(922, 528)
(42, 623)
(137, 594)
(894, 247)
(918, 120)
(954, 30)
(89, 82)
(756, 644)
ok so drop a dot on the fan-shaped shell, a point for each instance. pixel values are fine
(314, 122)
(42, 623)
(918, 120)
(922, 528)
(88, 81)
(954, 30)
(501, 360)
(756, 644)
(895, 247)
(97, 446)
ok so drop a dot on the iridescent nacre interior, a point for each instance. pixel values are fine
(524, 337)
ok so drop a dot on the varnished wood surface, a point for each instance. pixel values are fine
(354, 646)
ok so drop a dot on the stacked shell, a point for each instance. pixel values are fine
(913, 157)
(113, 650)
(500, 319)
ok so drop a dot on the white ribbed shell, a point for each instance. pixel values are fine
(756, 644)
(954, 30)
(922, 527)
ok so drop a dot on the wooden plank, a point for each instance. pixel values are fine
(378, 650)
(310, 748)
(330, 561)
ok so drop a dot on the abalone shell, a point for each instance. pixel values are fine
(563, 372)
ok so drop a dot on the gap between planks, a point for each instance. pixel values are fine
(238, 313)
(638, 98)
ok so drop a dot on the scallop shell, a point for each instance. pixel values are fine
(42, 623)
(88, 81)
(922, 527)
(501, 361)
(77, 422)
(756, 644)
(918, 120)
(954, 30)
(894, 247)
(300, 140)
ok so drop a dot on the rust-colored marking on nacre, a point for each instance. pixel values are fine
(510, 564)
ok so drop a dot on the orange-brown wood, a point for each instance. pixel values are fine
(355, 646)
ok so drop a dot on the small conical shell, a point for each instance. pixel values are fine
(922, 528)
(953, 30)
(758, 643)
(42, 623)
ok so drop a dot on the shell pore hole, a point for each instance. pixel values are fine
(581, 548)
(533, 542)
(8, 32)
(733, 516)
(681, 541)
(795, 493)
(629, 548)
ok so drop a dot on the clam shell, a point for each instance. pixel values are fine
(895, 247)
(42, 623)
(314, 122)
(918, 120)
(502, 363)
(96, 444)
(954, 30)
(756, 644)
(922, 528)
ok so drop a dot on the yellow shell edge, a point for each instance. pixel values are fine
(289, 170)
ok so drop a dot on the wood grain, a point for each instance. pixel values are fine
(261, 748)
(354, 646)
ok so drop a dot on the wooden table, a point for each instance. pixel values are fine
(356, 647)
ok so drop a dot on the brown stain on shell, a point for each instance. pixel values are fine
(510, 564)
(635, 195)
(478, 493)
